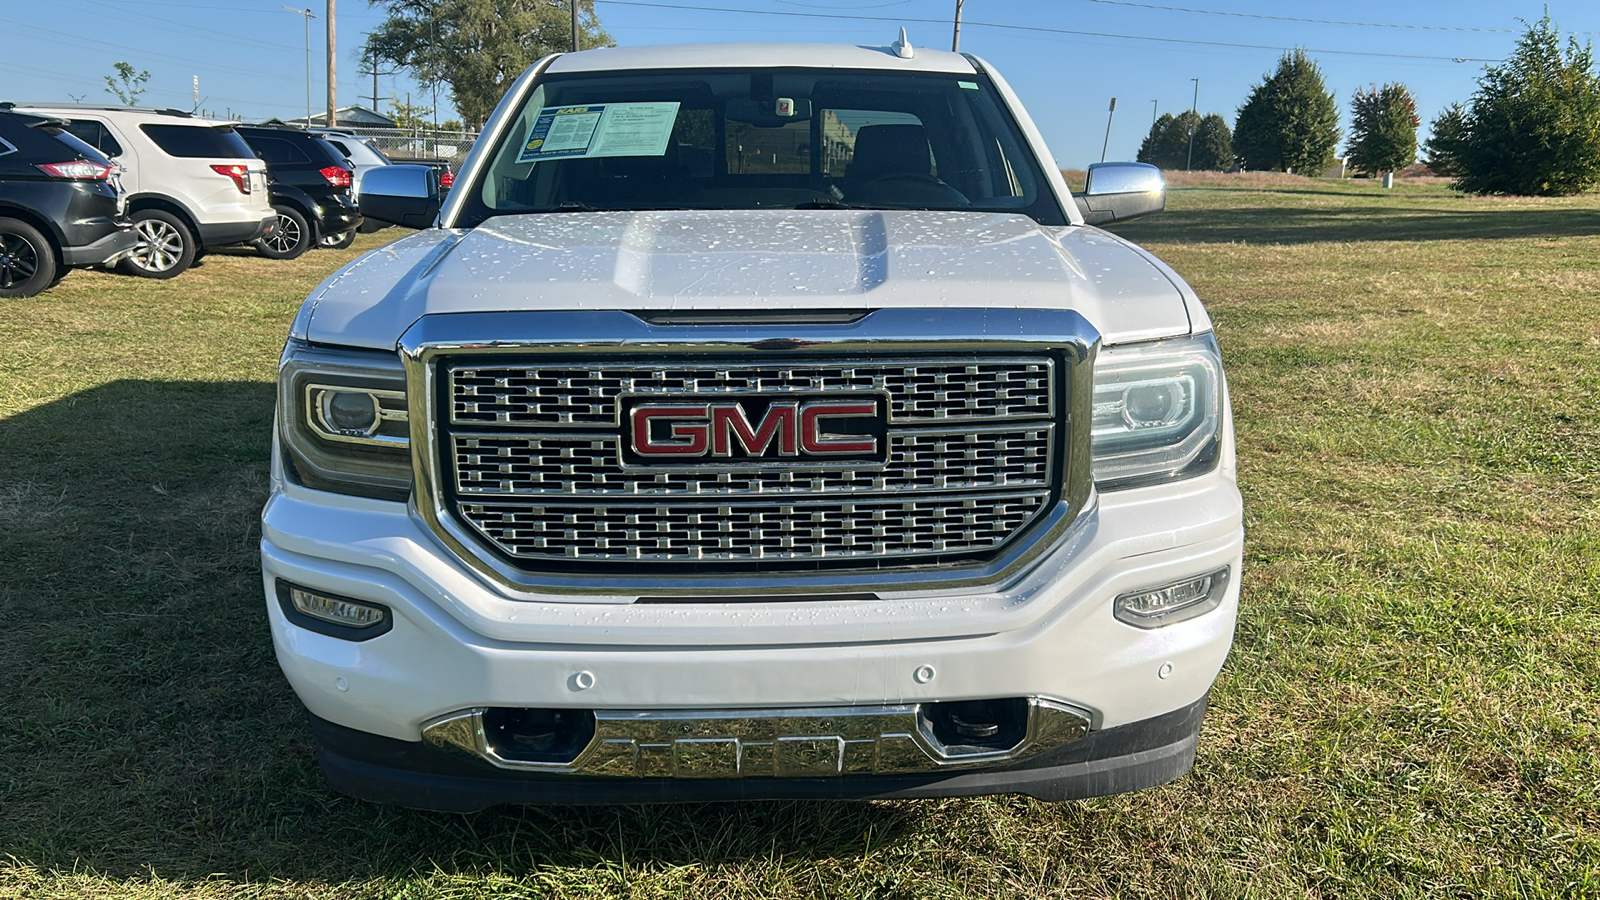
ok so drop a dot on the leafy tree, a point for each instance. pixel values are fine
(1449, 136)
(409, 116)
(126, 84)
(1167, 144)
(478, 47)
(1533, 127)
(1290, 122)
(1383, 129)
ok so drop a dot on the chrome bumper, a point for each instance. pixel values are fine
(772, 743)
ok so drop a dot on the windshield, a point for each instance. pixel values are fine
(769, 139)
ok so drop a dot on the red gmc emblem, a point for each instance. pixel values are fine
(833, 428)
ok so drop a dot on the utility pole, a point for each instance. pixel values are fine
(309, 16)
(1153, 105)
(333, 103)
(1110, 113)
(1193, 122)
(574, 26)
(955, 39)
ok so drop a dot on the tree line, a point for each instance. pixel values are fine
(1531, 128)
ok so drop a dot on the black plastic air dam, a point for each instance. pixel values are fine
(1117, 760)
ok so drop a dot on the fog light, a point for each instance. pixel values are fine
(1175, 602)
(332, 615)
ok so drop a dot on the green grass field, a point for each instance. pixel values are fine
(1410, 710)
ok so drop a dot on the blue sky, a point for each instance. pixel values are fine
(1066, 58)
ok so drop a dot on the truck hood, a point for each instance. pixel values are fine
(749, 259)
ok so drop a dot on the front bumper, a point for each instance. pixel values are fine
(1116, 760)
(457, 644)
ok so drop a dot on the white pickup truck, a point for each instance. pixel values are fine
(753, 422)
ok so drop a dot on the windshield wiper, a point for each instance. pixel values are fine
(824, 203)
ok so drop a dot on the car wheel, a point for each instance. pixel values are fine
(165, 247)
(27, 261)
(289, 239)
(337, 241)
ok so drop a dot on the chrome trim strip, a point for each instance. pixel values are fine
(314, 415)
(883, 334)
(767, 743)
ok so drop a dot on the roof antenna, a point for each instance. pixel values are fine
(902, 47)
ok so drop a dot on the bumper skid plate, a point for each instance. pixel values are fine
(781, 743)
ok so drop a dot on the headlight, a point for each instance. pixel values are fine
(1157, 411)
(343, 421)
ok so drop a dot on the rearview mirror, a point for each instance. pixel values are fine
(1117, 191)
(400, 195)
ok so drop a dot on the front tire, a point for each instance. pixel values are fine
(165, 248)
(27, 261)
(289, 239)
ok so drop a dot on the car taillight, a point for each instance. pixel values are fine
(77, 170)
(239, 174)
(447, 178)
(338, 176)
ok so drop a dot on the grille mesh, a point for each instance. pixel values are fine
(918, 461)
(584, 396)
(751, 532)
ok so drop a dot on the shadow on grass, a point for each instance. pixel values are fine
(1377, 219)
(146, 727)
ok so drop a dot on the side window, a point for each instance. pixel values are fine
(95, 135)
(278, 150)
(343, 150)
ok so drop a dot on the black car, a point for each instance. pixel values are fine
(60, 206)
(309, 185)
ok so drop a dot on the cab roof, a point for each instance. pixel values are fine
(756, 56)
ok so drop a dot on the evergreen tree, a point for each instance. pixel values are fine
(1167, 144)
(1213, 145)
(1290, 122)
(1533, 127)
(1444, 145)
(478, 47)
(1383, 129)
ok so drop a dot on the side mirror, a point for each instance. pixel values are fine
(400, 195)
(1121, 190)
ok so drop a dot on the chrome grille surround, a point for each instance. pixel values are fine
(487, 517)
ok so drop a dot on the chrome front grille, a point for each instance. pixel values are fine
(535, 467)
(928, 390)
(974, 459)
(752, 532)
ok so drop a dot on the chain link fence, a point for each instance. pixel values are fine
(402, 146)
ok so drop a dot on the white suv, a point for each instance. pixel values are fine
(193, 184)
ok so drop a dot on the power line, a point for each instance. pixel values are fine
(144, 18)
(1242, 15)
(1038, 29)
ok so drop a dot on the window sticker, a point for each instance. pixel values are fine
(608, 129)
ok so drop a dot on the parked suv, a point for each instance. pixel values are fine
(753, 421)
(61, 205)
(193, 184)
(363, 156)
(309, 183)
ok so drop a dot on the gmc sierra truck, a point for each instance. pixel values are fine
(753, 422)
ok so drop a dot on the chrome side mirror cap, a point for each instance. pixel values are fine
(400, 195)
(1117, 191)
